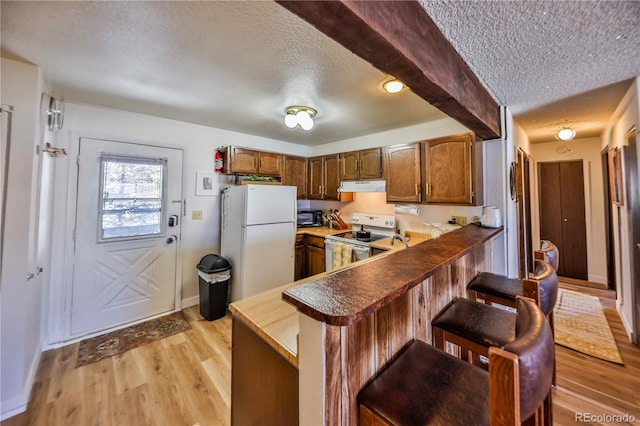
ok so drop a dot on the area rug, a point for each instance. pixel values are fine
(580, 324)
(119, 341)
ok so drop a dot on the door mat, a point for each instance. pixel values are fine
(580, 324)
(119, 341)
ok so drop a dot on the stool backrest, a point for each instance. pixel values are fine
(520, 374)
(542, 286)
(549, 253)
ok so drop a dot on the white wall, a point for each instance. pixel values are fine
(21, 300)
(199, 237)
(625, 117)
(589, 151)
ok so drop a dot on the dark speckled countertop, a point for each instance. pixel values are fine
(346, 296)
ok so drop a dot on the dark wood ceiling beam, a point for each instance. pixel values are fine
(400, 39)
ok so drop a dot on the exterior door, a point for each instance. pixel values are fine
(125, 249)
(562, 215)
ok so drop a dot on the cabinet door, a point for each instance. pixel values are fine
(370, 164)
(269, 163)
(331, 177)
(349, 165)
(243, 160)
(448, 170)
(295, 174)
(402, 173)
(300, 270)
(315, 260)
(315, 177)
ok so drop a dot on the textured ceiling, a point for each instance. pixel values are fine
(238, 65)
(546, 59)
(231, 65)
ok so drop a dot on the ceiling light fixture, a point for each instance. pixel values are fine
(565, 133)
(393, 86)
(298, 115)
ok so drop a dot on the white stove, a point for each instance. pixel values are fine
(378, 226)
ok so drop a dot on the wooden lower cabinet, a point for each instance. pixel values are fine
(299, 259)
(264, 385)
(314, 255)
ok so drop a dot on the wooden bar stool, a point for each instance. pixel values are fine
(424, 385)
(494, 288)
(549, 253)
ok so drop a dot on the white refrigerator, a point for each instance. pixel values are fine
(258, 237)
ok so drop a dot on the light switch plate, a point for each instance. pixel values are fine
(196, 215)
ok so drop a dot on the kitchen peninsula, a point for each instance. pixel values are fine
(308, 347)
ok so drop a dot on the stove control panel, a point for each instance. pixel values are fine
(374, 220)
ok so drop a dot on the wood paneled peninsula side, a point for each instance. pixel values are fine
(351, 322)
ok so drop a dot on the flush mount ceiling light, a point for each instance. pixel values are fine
(565, 133)
(393, 86)
(300, 116)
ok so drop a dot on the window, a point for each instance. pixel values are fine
(131, 196)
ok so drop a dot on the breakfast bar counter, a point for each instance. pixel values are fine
(316, 342)
(346, 296)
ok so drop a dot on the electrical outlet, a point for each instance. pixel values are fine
(196, 215)
(460, 220)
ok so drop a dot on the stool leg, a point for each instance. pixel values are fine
(438, 338)
(553, 332)
(548, 410)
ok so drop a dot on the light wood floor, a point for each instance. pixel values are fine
(185, 380)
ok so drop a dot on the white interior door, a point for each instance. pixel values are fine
(125, 249)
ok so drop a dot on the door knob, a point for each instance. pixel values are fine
(171, 239)
(638, 246)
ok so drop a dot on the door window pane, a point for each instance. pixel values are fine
(132, 197)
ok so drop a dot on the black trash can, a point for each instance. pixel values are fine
(214, 274)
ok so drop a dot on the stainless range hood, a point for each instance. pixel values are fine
(363, 186)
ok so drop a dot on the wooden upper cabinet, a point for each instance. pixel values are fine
(323, 179)
(269, 163)
(453, 170)
(295, 174)
(331, 177)
(249, 161)
(371, 163)
(315, 178)
(361, 165)
(403, 173)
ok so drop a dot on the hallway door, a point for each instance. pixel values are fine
(633, 196)
(562, 214)
(126, 235)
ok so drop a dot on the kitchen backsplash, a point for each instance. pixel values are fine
(375, 202)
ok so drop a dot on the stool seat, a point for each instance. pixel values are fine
(496, 285)
(450, 391)
(477, 322)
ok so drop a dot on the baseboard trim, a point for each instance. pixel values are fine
(628, 327)
(18, 404)
(191, 301)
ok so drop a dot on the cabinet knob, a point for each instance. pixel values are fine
(565, 220)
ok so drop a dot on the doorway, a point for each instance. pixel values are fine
(562, 214)
(126, 234)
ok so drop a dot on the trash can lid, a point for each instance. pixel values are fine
(213, 263)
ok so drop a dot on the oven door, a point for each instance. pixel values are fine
(359, 252)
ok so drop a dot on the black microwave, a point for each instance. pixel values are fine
(309, 218)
